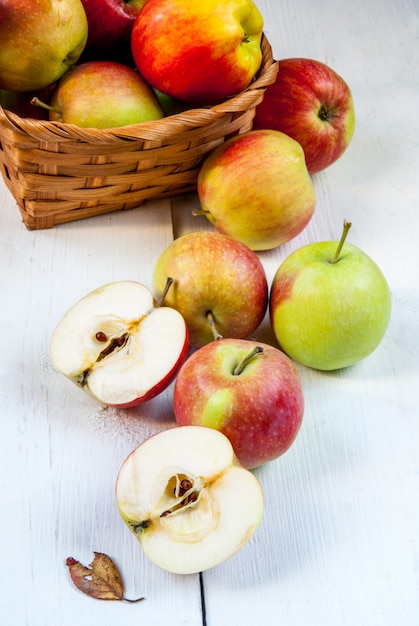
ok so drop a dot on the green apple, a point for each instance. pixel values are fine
(187, 499)
(249, 391)
(217, 283)
(103, 94)
(330, 304)
(40, 41)
(256, 188)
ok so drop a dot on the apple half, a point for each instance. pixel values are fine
(187, 499)
(119, 345)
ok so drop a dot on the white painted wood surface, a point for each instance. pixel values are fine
(339, 540)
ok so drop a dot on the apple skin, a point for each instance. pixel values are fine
(104, 94)
(256, 188)
(179, 533)
(260, 410)
(198, 52)
(311, 103)
(40, 41)
(110, 27)
(329, 315)
(213, 273)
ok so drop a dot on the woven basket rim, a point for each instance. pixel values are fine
(167, 125)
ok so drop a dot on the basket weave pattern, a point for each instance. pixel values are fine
(59, 173)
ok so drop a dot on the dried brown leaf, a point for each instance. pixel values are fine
(100, 580)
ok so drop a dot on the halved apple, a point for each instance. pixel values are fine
(187, 499)
(119, 345)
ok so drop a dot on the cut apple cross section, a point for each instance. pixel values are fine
(119, 345)
(187, 499)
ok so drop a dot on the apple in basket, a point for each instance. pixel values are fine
(119, 345)
(330, 304)
(110, 27)
(256, 188)
(219, 285)
(199, 52)
(103, 94)
(250, 391)
(310, 102)
(187, 499)
(40, 41)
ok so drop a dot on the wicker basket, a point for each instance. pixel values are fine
(60, 173)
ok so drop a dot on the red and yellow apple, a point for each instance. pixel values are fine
(217, 283)
(249, 391)
(103, 94)
(310, 102)
(256, 188)
(40, 41)
(198, 52)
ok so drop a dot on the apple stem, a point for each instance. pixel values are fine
(167, 286)
(346, 227)
(38, 103)
(240, 367)
(214, 330)
(199, 212)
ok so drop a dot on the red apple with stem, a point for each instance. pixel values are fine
(249, 391)
(311, 103)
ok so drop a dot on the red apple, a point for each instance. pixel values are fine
(250, 392)
(313, 104)
(199, 52)
(104, 94)
(118, 345)
(216, 280)
(110, 27)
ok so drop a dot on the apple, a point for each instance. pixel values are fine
(249, 391)
(198, 52)
(256, 188)
(119, 345)
(103, 94)
(187, 499)
(330, 304)
(110, 27)
(311, 103)
(40, 41)
(219, 285)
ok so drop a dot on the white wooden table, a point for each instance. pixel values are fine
(339, 541)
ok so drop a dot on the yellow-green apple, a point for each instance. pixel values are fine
(310, 102)
(110, 27)
(329, 305)
(256, 188)
(40, 41)
(199, 52)
(249, 391)
(187, 499)
(103, 94)
(218, 283)
(119, 345)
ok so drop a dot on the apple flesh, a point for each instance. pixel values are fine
(198, 52)
(110, 27)
(187, 499)
(217, 283)
(118, 345)
(311, 103)
(249, 391)
(256, 188)
(330, 305)
(103, 94)
(40, 41)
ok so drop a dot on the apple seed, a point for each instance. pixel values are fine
(100, 336)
